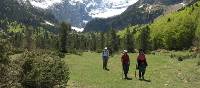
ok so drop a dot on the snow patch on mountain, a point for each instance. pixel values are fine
(49, 23)
(107, 13)
(74, 2)
(44, 4)
(183, 3)
(109, 8)
(77, 29)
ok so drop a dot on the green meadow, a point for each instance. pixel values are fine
(162, 72)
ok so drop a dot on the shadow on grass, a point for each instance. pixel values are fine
(127, 78)
(145, 80)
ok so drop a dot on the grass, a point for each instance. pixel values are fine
(163, 72)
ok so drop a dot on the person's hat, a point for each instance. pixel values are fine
(105, 48)
(125, 51)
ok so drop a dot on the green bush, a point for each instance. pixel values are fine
(35, 69)
(9, 70)
(3, 54)
(198, 62)
(44, 71)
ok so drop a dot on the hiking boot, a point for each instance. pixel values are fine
(140, 78)
(107, 69)
(127, 78)
(143, 78)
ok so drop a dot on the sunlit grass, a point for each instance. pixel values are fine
(163, 72)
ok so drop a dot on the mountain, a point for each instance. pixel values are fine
(142, 12)
(80, 12)
(179, 30)
(15, 10)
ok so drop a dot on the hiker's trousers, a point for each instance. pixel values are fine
(105, 61)
(125, 68)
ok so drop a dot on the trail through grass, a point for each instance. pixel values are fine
(163, 72)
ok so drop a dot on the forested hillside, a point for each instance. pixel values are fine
(12, 10)
(176, 31)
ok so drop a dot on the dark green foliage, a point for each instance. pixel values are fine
(129, 41)
(44, 71)
(98, 24)
(28, 38)
(35, 69)
(93, 43)
(9, 70)
(102, 40)
(3, 53)
(144, 38)
(113, 41)
(198, 62)
(63, 34)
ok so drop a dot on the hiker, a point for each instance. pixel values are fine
(105, 56)
(141, 64)
(125, 63)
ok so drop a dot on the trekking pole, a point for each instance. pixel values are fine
(135, 74)
(122, 71)
(136, 71)
(122, 66)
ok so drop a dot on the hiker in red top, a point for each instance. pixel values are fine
(125, 63)
(141, 64)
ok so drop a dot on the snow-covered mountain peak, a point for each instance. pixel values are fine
(109, 8)
(79, 12)
(104, 8)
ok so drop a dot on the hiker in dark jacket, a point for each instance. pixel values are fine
(105, 57)
(141, 64)
(125, 63)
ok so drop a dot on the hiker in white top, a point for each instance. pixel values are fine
(105, 57)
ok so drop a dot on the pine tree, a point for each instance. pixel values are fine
(144, 38)
(102, 40)
(114, 41)
(93, 42)
(28, 37)
(129, 41)
(63, 34)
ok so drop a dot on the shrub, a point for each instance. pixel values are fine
(3, 54)
(198, 57)
(36, 69)
(44, 71)
(9, 70)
